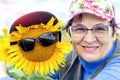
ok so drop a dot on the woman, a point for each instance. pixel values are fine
(93, 32)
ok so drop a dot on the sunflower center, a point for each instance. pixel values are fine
(39, 53)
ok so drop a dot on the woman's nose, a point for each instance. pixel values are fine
(89, 37)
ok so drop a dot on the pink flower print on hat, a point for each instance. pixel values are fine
(100, 8)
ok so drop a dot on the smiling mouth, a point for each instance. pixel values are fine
(90, 49)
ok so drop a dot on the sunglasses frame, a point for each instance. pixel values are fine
(56, 34)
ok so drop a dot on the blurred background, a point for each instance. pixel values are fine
(10, 10)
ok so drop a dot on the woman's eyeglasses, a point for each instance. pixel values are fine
(45, 40)
(98, 30)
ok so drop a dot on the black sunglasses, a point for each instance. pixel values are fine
(45, 40)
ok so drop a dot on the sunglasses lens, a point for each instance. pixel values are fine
(26, 44)
(47, 39)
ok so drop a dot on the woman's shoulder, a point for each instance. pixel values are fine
(115, 62)
(111, 71)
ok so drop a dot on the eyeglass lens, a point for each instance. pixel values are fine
(98, 30)
(27, 44)
(46, 39)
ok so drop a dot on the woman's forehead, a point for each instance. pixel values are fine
(89, 19)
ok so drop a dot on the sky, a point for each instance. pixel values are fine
(10, 10)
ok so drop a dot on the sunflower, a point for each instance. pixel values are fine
(3, 43)
(41, 59)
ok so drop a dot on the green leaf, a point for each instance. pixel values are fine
(23, 78)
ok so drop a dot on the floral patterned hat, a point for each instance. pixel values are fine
(101, 8)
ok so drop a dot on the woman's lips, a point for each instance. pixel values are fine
(90, 49)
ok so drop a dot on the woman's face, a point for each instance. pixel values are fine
(91, 46)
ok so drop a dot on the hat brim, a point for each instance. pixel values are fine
(100, 14)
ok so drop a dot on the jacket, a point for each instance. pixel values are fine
(73, 68)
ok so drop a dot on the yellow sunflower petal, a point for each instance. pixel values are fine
(12, 55)
(30, 67)
(50, 23)
(16, 58)
(13, 48)
(58, 58)
(22, 29)
(51, 67)
(14, 36)
(37, 65)
(19, 63)
(46, 67)
(57, 26)
(53, 61)
(41, 68)
(23, 65)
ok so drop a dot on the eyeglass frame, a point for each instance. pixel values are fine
(92, 29)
